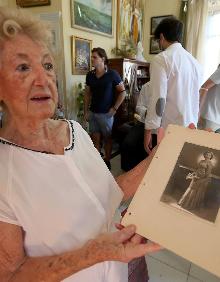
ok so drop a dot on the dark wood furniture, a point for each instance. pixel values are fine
(134, 74)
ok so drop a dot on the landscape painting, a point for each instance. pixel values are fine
(94, 16)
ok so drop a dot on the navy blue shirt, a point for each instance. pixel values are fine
(102, 90)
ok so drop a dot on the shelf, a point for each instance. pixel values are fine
(143, 77)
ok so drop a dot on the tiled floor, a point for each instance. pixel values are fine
(165, 266)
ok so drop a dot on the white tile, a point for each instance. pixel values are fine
(160, 272)
(202, 274)
(173, 260)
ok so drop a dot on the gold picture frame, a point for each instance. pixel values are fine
(81, 55)
(32, 3)
(93, 16)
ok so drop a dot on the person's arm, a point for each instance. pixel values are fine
(213, 80)
(157, 101)
(129, 181)
(15, 266)
(148, 141)
(143, 100)
(203, 91)
(120, 89)
(87, 100)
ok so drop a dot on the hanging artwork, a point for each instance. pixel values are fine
(32, 3)
(129, 22)
(94, 16)
(155, 21)
(81, 55)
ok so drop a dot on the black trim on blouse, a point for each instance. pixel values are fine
(73, 136)
(5, 142)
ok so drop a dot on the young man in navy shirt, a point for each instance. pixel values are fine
(100, 105)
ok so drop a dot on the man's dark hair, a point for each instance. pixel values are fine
(101, 52)
(171, 28)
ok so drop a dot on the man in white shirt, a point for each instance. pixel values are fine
(175, 82)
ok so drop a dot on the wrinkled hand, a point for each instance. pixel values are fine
(123, 245)
(137, 239)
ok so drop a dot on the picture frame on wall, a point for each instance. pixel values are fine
(32, 3)
(129, 22)
(155, 21)
(154, 46)
(93, 16)
(81, 55)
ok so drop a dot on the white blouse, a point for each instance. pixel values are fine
(60, 201)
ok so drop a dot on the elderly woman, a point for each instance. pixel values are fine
(56, 194)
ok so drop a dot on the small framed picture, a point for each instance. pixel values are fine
(155, 21)
(32, 3)
(81, 55)
(154, 46)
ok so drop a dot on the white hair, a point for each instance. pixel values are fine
(14, 21)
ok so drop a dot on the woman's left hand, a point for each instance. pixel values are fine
(123, 245)
(136, 239)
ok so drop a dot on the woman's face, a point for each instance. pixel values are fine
(208, 156)
(27, 79)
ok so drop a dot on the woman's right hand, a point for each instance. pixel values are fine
(123, 245)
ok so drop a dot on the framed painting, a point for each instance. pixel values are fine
(154, 46)
(81, 55)
(185, 197)
(129, 22)
(93, 16)
(32, 3)
(155, 21)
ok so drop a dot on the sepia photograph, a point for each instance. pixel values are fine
(194, 185)
(177, 202)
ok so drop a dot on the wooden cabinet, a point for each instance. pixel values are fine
(134, 74)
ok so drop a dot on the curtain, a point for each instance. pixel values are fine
(183, 18)
(212, 39)
(195, 28)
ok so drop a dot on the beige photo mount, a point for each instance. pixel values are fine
(182, 232)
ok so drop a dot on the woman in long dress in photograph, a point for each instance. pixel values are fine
(195, 194)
